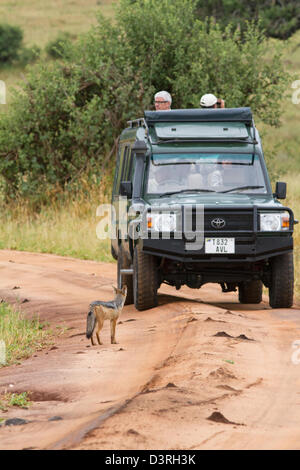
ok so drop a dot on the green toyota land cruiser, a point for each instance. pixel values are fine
(192, 203)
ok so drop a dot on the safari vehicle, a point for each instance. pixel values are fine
(199, 208)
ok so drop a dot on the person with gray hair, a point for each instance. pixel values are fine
(162, 101)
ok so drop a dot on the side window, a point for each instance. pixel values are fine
(130, 166)
(120, 169)
(124, 172)
(117, 171)
(127, 165)
(124, 167)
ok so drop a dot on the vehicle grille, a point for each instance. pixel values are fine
(235, 220)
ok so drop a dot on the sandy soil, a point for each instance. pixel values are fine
(200, 371)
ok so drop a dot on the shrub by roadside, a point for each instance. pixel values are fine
(21, 336)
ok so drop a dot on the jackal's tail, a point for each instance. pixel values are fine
(90, 324)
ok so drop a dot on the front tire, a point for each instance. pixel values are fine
(145, 280)
(250, 292)
(281, 289)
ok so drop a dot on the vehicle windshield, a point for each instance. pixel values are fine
(228, 173)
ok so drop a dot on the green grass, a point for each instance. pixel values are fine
(66, 227)
(293, 201)
(21, 336)
(284, 141)
(61, 233)
(14, 399)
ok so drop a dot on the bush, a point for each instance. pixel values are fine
(11, 38)
(28, 55)
(59, 46)
(70, 112)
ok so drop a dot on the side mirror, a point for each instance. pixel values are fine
(280, 191)
(126, 189)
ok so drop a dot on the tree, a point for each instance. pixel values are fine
(11, 38)
(68, 116)
(279, 18)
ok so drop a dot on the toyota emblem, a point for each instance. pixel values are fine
(218, 223)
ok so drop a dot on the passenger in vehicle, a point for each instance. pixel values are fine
(162, 101)
(210, 176)
(210, 101)
(166, 178)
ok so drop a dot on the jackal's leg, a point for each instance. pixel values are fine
(100, 325)
(92, 340)
(113, 331)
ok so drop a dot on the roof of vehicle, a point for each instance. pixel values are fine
(232, 127)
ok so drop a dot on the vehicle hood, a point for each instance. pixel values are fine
(214, 199)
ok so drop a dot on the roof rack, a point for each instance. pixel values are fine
(140, 122)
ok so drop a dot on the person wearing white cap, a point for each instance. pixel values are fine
(162, 101)
(211, 101)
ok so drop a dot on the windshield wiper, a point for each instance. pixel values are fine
(241, 187)
(188, 191)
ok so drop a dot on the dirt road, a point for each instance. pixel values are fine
(200, 371)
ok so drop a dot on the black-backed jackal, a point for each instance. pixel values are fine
(100, 311)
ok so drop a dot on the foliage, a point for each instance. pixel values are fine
(59, 46)
(21, 336)
(15, 399)
(29, 55)
(70, 112)
(279, 18)
(11, 38)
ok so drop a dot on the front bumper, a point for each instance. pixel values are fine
(251, 245)
(247, 249)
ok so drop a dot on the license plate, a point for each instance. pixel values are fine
(219, 245)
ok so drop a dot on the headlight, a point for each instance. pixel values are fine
(161, 222)
(274, 222)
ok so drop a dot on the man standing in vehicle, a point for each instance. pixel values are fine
(210, 101)
(162, 101)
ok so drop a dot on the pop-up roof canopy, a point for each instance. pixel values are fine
(221, 125)
(200, 115)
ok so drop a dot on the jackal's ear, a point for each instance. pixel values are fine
(115, 289)
(124, 290)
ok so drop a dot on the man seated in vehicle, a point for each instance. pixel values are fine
(162, 101)
(165, 178)
(211, 176)
(210, 101)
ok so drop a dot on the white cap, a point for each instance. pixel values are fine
(165, 95)
(208, 100)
